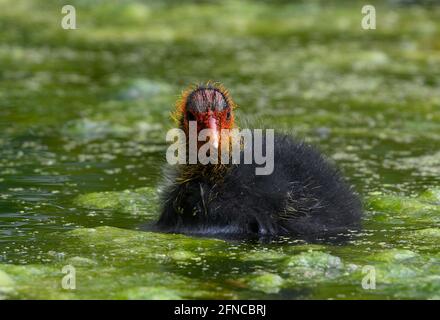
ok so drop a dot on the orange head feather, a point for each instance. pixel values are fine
(209, 105)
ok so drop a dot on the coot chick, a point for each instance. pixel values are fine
(304, 197)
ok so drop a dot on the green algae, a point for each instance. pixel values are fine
(423, 209)
(431, 195)
(110, 253)
(416, 276)
(142, 201)
(6, 284)
(426, 164)
(150, 250)
(393, 255)
(85, 111)
(267, 283)
(149, 293)
(159, 266)
(143, 89)
(259, 255)
(401, 205)
(81, 261)
(87, 129)
(431, 235)
(313, 266)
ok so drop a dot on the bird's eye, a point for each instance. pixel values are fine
(190, 116)
(228, 115)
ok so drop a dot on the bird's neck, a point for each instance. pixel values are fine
(208, 172)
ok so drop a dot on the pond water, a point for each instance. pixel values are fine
(83, 116)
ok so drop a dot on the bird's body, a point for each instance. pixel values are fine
(305, 197)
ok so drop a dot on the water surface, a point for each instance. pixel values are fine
(83, 116)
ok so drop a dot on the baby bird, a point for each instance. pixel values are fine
(304, 197)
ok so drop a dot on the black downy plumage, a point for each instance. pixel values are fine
(305, 197)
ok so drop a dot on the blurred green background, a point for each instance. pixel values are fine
(84, 112)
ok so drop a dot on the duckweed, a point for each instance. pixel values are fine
(83, 117)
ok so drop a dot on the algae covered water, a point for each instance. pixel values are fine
(83, 117)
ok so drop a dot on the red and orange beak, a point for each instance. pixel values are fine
(215, 134)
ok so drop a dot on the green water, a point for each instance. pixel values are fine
(83, 116)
